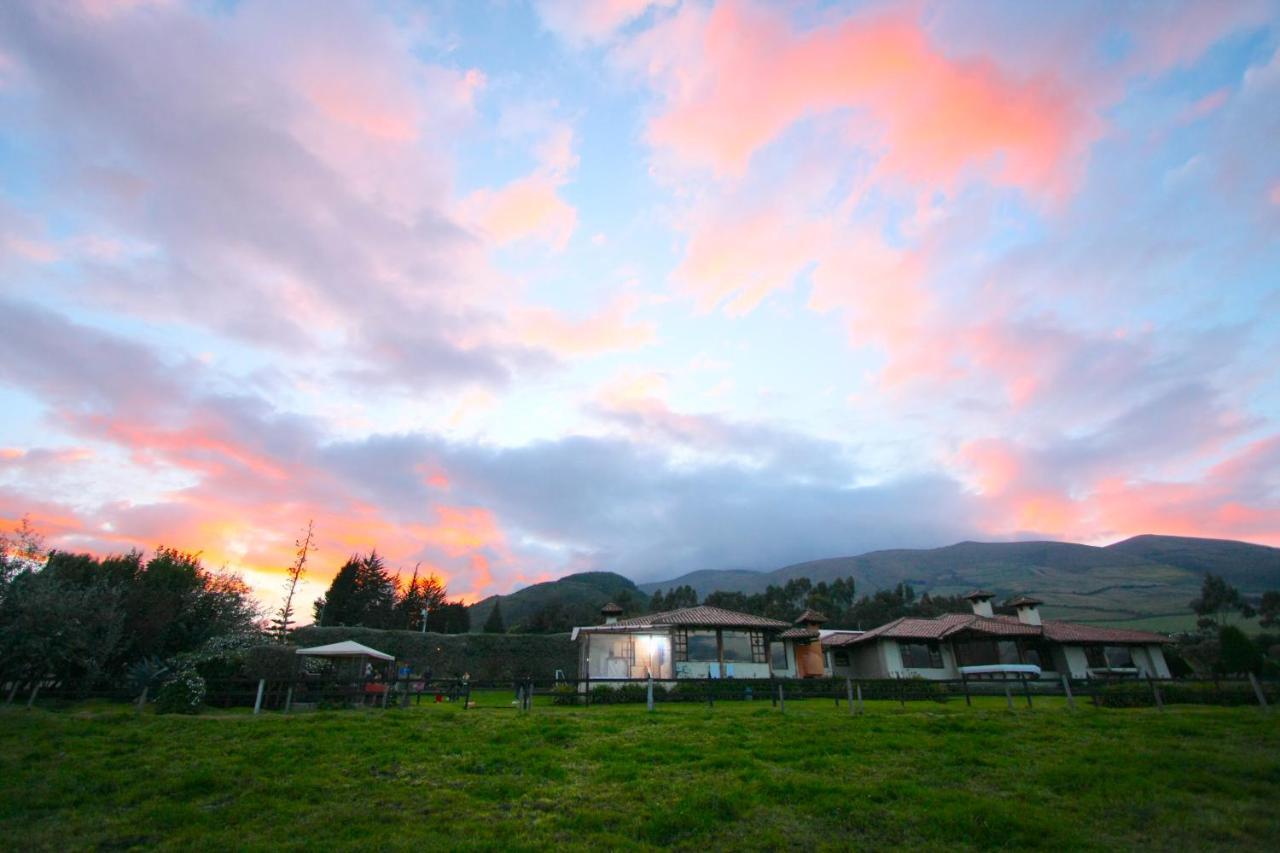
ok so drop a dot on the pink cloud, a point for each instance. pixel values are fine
(934, 119)
(527, 208)
(608, 330)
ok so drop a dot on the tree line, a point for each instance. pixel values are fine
(83, 620)
(89, 622)
(836, 600)
(364, 593)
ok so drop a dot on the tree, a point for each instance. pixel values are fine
(1216, 602)
(676, 598)
(1269, 610)
(362, 593)
(494, 625)
(19, 550)
(284, 616)
(1237, 654)
(52, 629)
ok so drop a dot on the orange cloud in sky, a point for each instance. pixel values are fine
(932, 117)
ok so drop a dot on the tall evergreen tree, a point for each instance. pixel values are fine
(494, 624)
(362, 593)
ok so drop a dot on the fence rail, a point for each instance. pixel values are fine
(305, 692)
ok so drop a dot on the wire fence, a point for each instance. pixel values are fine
(315, 692)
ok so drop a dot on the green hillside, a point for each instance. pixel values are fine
(578, 597)
(1253, 568)
(1139, 579)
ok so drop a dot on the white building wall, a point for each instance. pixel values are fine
(1076, 661)
(1160, 666)
(890, 656)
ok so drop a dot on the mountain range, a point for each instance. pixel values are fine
(1146, 581)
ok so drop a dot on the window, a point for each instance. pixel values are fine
(610, 656)
(841, 657)
(701, 646)
(778, 651)
(758, 647)
(1040, 654)
(1095, 657)
(1008, 651)
(680, 644)
(921, 655)
(737, 646)
(1119, 657)
(978, 653)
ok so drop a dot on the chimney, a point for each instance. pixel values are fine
(980, 600)
(811, 619)
(1028, 609)
(610, 612)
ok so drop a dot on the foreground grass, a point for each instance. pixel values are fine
(738, 776)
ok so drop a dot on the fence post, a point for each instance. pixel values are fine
(1257, 691)
(528, 695)
(1155, 691)
(964, 682)
(257, 703)
(649, 694)
(902, 692)
(1008, 695)
(858, 689)
(1093, 690)
(288, 698)
(782, 699)
(848, 684)
(1066, 688)
(773, 694)
(1026, 687)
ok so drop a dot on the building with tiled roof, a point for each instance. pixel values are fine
(981, 644)
(699, 642)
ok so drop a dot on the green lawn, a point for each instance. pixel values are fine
(738, 776)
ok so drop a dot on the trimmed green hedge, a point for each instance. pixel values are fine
(1137, 694)
(486, 657)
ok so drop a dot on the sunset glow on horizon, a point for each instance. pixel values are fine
(509, 290)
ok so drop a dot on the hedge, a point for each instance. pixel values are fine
(486, 657)
(1137, 694)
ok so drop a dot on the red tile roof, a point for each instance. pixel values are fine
(810, 615)
(953, 624)
(694, 617)
(1073, 632)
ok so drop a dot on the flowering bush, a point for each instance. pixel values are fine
(182, 694)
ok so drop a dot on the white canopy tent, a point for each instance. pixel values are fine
(346, 649)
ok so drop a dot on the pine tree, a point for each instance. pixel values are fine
(494, 624)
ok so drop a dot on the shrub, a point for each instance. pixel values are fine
(182, 694)
(274, 662)
(564, 694)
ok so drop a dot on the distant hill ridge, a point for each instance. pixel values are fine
(1142, 577)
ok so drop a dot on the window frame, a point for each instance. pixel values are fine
(932, 656)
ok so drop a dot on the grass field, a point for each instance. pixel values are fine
(739, 775)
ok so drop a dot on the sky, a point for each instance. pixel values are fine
(509, 290)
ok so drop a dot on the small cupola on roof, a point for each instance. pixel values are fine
(1028, 609)
(980, 600)
(810, 619)
(610, 612)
